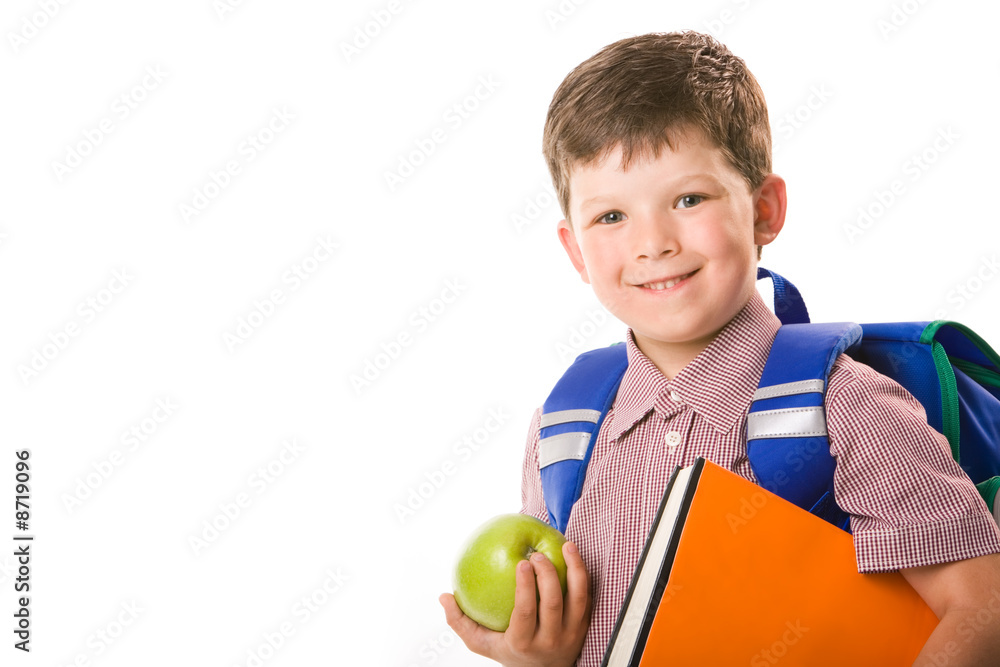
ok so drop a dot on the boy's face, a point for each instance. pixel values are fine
(669, 246)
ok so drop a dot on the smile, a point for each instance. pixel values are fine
(667, 284)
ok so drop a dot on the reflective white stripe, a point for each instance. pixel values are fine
(790, 388)
(562, 447)
(566, 416)
(787, 423)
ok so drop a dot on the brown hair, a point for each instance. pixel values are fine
(637, 91)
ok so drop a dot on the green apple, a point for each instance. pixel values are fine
(484, 577)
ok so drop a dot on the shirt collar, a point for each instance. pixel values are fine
(718, 384)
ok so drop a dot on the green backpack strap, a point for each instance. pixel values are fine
(988, 490)
(974, 357)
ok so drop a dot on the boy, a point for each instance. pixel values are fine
(659, 148)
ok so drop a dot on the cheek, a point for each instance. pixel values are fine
(728, 241)
(598, 257)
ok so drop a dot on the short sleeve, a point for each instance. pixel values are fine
(532, 502)
(910, 502)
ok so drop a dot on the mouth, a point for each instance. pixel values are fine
(667, 283)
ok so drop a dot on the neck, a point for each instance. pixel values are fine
(671, 358)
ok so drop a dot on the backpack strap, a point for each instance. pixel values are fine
(787, 440)
(571, 419)
(789, 305)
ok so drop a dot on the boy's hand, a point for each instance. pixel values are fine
(546, 632)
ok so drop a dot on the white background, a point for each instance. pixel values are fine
(476, 214)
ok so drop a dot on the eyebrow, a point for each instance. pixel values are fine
(679, 181)
(594, 200)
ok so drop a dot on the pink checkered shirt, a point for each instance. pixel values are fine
(910, 503)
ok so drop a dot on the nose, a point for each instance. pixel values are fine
(654, 237)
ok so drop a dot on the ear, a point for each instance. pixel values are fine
(769, 209)
(568, 239)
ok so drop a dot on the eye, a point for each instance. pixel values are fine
(687, 201)
(611, 217)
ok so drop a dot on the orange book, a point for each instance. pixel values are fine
(732, 574)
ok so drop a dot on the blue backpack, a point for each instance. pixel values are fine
(945, 365)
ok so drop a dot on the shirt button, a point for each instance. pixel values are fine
(674, 396)
(673, 439)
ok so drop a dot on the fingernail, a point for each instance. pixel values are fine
(538, 557)
(570, 548)
(524, 566)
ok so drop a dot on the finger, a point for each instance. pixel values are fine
(523, 619)
(550, 595)
(578, 602)
(478, 639)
